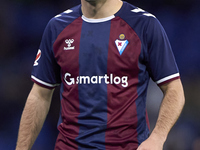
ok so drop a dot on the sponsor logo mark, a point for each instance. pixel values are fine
(39, 53)
(107, 79)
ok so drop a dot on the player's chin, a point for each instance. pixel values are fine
(91, 0)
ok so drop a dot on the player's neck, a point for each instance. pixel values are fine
(96, 9)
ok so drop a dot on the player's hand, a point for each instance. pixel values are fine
(151, 144)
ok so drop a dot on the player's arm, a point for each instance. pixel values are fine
(33, 116)
(171, 107)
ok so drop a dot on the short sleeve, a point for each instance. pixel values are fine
(161, 66)
(46, 71)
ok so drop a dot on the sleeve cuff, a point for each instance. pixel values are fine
(168, 79)
(42, 83)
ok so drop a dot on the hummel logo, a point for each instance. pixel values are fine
(69, 43)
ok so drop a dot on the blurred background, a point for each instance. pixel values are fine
(22, 23)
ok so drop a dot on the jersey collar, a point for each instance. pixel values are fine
(97, 20)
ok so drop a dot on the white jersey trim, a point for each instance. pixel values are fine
(43, 83)
(97, 20)
(168, 78)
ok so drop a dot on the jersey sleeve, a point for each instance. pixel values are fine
(46, 71)
(161, 62)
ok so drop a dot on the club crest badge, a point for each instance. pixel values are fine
(37, 57)
(121, 43)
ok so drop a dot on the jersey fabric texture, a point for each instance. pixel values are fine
(103, 67)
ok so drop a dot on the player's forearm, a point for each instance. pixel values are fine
(32, 120)
(170, 109)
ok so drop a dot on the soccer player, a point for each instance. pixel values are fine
(103, 53)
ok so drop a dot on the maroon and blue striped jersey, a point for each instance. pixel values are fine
(103, 67)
